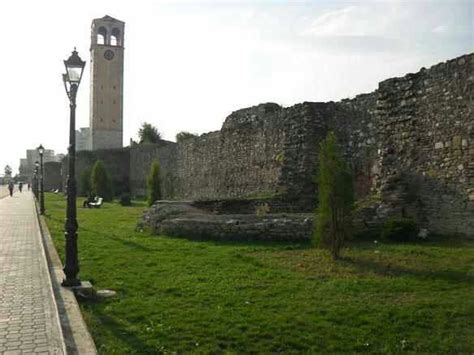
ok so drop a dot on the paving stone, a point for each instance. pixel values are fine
(27, 308)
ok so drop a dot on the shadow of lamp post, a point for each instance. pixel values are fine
(41, 191)
(72, 78)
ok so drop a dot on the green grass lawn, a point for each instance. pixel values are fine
(177, 295)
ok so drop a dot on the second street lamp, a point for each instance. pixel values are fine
(74, 69)
(41, 152)
(35, 180)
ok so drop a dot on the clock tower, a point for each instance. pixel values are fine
(106, 92)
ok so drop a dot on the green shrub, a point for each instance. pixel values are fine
(399, 230)
(125, 199)
(100, 181)
(154, 183)
(336, 198)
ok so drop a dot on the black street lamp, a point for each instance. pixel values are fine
(41, 152)
(74, 69)
(35, 179)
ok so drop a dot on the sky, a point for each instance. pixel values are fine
(189, 64)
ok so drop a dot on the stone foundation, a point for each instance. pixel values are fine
(183, 219)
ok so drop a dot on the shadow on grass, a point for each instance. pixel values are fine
(118, 330)
(384, 269)
(289, 245)
(98, 234)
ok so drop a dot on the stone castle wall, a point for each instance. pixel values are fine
(52, 176)
(356, 124)
(427, 135)
(255, 154)
(141, 158)
(116, 162)
(411, 140)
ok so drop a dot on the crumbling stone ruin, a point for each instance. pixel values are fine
(410, 144)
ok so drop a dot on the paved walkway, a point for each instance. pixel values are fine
(3, 191)
(28, 318)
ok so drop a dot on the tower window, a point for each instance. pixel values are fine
(101, 35)
(115, 37)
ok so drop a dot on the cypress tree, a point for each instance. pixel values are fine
(336, 198)
(85, 182)
(100, 183)
(154, 183)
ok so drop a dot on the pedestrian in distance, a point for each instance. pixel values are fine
(29, 186)
(20, 186)
(10, 187)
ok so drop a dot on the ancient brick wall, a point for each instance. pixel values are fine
(356, 125)
(261, 151)
(52, 176)
(116, 162)
(141, 158)
(427, 137)
(412, 140)
(244, 158)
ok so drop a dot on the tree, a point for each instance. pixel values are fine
(182, 136)
(85, 186)
(8, 171)
(336, 198)
(148, 134)
(154, 183)
(100, 183)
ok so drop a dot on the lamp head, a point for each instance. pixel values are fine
(74, 68)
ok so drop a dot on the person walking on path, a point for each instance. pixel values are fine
(20, 186)
(10, 187)
(29, 186)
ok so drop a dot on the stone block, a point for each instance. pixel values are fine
(457, 141)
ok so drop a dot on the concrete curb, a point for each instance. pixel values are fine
(50, 283)
(76, 335)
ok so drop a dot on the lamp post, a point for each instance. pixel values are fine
(41, 152)
(35, 180)
(72, 78)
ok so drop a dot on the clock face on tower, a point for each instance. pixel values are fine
(108, 54)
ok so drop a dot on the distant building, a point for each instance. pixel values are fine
(27, 165)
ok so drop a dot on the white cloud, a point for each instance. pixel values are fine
(188, 64)
(355, 20)
(440, 29)
(395, 26)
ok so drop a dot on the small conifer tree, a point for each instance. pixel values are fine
(154, 183)
(85, 182)
(100, 183)
(336, 198)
